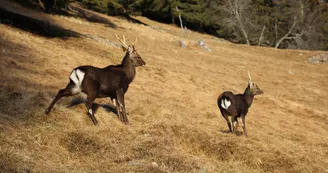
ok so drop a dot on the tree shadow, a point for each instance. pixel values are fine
(20, 97)
(96, 17)
(133, 20)
(35, 26)
(91, 16)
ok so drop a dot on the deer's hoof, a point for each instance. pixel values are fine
(95, 122)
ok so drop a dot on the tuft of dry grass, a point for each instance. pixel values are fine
(175, 123)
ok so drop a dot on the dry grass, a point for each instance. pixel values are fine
(171, 105)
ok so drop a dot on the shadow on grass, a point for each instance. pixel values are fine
(95, 106)
(22, 97)
(95, 17)
(91, 16)
(35, 26)
(237, 133)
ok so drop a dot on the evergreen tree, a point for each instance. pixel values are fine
(276, 23)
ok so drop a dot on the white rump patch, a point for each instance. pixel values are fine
(77, 77)
(225, 103)
(90, 111)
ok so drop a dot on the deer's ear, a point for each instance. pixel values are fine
(250, 83)
(124, 49)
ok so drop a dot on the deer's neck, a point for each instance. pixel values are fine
(128, 68)
(249, 96)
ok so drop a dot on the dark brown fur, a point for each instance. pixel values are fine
(111, 81)
(240, 104)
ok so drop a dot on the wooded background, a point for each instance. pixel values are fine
(294, 24)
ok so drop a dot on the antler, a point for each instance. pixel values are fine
(138, 48)
(134, 42)
(249, 77)
(123, 42)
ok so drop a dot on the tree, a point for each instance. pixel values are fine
(311, 33)
(276, 23)
(237, 17)
(298, 24)
(53, 6)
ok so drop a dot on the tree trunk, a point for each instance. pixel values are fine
(245, 35)
(180, 19)
(286, 36)
(261, 37)
(237, 12)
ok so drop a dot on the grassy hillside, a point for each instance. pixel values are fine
(175, 125)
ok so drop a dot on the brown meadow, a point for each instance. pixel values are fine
(175, 124)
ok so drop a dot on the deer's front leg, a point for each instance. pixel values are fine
(117, 107)
(121, 106)
(243, 123)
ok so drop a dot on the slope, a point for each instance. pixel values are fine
(175, 125)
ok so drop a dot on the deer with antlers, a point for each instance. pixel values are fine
(111, 81)
(237, 105)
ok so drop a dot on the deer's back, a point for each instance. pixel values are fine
(237, 105)
(106, 80)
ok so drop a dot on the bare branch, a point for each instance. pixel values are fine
(261, 36)
(236, 8)
(180, 19)
(289, 32)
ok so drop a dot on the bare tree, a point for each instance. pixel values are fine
(310, 35)
(261, 36)
(180, 19)
(238, 17)
(287, 35)
(304, 25)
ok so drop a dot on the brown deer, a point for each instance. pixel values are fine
(237, 105)
(112, 81)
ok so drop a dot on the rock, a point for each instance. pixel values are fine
(322, 58)
(103, 40)
(201, 43)
(133, 163)
(183, 43)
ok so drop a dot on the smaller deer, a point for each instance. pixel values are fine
(237, 105)
(111, 81)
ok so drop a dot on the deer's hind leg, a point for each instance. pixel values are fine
(66, 92)
(234, 123)
(91, 89)
(225, 116)
(90, 99)
(74, 87)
